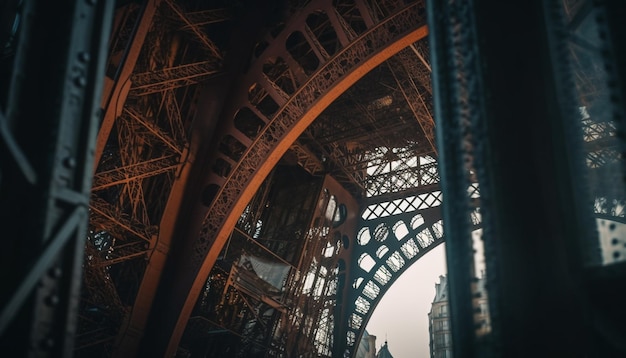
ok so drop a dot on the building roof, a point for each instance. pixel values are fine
(441, 288)
(384, 352)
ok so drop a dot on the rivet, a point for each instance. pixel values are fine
(55, 272)
(80, 81)
(69, 162)
(83, 57)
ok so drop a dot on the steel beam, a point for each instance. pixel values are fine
(62, 68)
(114, 99)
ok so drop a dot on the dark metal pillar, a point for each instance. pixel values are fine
(46, 148)
(506, 112)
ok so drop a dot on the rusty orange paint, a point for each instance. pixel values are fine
(259, 176)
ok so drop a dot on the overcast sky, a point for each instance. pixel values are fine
(402, 314)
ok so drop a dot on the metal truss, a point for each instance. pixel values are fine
(399, 224)
(171, 78)
(194, 27)
(140, 150)
(412, 75)
(387, 244)
(136, 171)
(389, 162)
(144, 140)
(206, 180)
(296, 314)
(376, 151)
(326, 55)
(306, 159)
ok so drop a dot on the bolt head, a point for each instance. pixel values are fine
(69, 162)
(84, 57)
(55, 272)
(80, 81)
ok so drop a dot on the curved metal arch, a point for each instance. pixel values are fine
(363, 303)
(384, 38)
(393, 253)
(400, 254)
(331, 79)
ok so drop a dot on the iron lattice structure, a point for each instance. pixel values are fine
(263, 173)
(363, 67)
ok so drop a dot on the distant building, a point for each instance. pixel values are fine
(384, 352)
(439, 322)
(439, 318)
(367, 348)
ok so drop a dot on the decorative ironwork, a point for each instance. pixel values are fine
(330, 72)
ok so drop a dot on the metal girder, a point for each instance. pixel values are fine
(306, 159)
(405, 76)
(229, 190)
(114, 97)
(134, 171)
(124, 252)
(45, 216)
(388, 241)
(552, 94)
(309, 61)
(120, 220)
(599, 130)
(194, 27)
(171, 78)
(121, 34)
(141, 160)
(153, 128)
(135, 176)
(133, 140)
(205, 17)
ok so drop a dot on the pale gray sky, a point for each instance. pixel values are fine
(402, 314)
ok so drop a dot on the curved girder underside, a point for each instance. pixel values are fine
(241, 161)
(393, 235)
(297, 111)
(387, 247)
(148, 139)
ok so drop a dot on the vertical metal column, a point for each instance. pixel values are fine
(48, 135)
(504, 106)
(456, 100)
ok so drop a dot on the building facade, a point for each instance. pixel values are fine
(439, 317)
(367, 348)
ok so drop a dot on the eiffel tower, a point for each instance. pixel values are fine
(249, 178)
